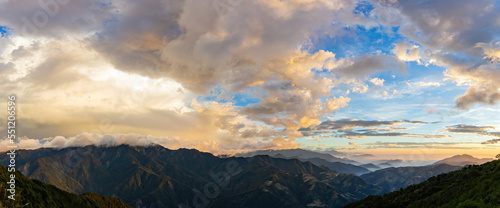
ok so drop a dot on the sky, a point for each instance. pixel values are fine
(410, 79)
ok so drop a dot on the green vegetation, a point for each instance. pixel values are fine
(158, 177)
(476, 186)
(35, 194)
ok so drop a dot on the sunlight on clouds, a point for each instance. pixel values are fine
(254, 76)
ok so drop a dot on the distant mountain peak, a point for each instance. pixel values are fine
(463, 159)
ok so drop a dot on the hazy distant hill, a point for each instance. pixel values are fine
(341, 165)
(393, 179)
(33, 193)
(298, 153)
(462, 160)
(159, 177)
(337, 166)
(371, 167)
(472, 186)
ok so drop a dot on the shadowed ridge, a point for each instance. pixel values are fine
(33, 193)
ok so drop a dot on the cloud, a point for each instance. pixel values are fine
(151, 67)
(377, 81)
(421, 145)
(355, 134)
(110, 140)
(463, 128)
(343, 124)
(365, 65)
(456, 40)
(493, 134)
(487, 95)
(479, 130)
(54, 18)
(423, 84)
(407, 52)
(120, 63)
(130, 59)
(190, 42)
(493, 141)
(354, 129)
(491, 51)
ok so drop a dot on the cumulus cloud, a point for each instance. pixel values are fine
(377, 81)
(457, 40)
(491, 50)
(147, 67)
(407, 52)
(487, 95)
(116, 63)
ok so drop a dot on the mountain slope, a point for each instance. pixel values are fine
(298, 153)
(341, 165)
(336, 166)
(393, 179)
(159, 177)
(33, 193)
(472, 186)
(463, 160)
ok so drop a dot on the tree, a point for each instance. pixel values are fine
(498, 156)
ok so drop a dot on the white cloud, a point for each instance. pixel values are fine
(407, 52)
(377, 81)
(109, 140)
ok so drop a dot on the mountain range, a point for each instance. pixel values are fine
(392, 179)
(341, 165)
(300, 153)
(154, 176)
(474, 186)
(463, 160)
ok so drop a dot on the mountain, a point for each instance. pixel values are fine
(332, 152)
(371, 167)
(463, 160)
(389, 163)
(393, 179)
(297, 153)
(33, 193)
(154, 176)
(471, 186)
(338, 166)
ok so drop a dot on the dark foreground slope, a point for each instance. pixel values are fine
(158, 177)
(33, 193)
(472, 186)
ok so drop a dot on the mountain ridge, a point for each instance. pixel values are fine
(470, 186)
(160, 177)
(33, 193)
